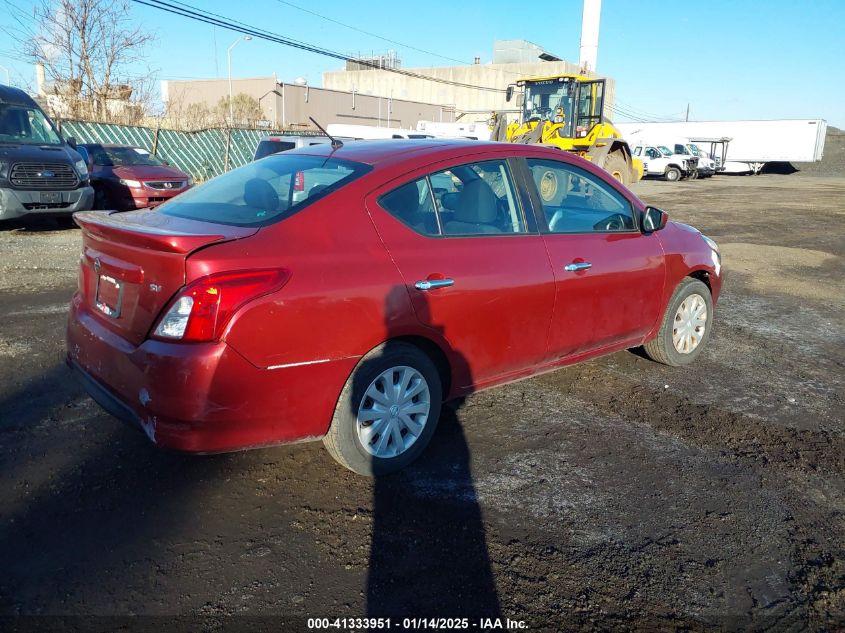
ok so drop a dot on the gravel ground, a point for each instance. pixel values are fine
(614, 495)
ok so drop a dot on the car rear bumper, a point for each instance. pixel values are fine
(15, 203)
(200, 397)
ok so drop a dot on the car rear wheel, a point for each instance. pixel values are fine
(387, 412)
(686, 325)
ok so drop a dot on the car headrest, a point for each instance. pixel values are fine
(260, 194)
(477, 203)
(313, 191)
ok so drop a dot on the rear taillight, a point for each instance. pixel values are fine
(299, 181)
(201, 311)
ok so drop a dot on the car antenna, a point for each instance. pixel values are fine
(336, 142)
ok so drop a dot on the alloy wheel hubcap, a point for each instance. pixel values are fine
(393, 412)
(689, 324)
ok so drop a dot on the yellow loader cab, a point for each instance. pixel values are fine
(567, 112)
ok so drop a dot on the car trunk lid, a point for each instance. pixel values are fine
(133, 263)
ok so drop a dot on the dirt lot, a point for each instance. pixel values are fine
(615, 495)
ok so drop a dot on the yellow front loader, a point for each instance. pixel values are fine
(567, 112)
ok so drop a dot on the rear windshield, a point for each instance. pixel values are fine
(265, 191)
(265, 148)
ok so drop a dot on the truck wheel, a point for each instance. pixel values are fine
(686, 325)
(672, 174)
(387, 411)
(618, 167)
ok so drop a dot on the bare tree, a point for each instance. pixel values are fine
(245, 110)
(91, 50)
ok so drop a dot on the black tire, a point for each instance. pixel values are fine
(101, 202)
(672, 174)
(618, 167)
(342, 441)
(661, 348)
(65, 221)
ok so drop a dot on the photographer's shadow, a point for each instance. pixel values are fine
(429, 554)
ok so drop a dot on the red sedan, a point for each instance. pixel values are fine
(249, 312)
(126, 177)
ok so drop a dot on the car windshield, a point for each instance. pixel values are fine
(695, 151)
(664, 150)
(26, 125)
(265, 191)
(121, 156)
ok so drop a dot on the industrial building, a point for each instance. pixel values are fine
(512, 60)
(288, 105)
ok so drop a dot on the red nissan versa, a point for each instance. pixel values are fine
(245, 313)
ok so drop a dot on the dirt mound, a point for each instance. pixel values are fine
(833, 162)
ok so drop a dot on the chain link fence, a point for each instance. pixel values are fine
(202, 154)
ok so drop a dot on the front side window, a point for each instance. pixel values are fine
(575, 201)
(266, 191)
(26, 125)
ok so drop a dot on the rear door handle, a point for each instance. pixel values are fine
(579, 266)
(432, 284)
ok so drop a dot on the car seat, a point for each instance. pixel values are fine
(476, 210)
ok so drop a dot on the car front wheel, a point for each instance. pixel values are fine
(387, 412)
(686, 325)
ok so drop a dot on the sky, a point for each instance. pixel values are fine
(739, 59)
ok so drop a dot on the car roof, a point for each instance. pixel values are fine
(393, 151)
(15, 96)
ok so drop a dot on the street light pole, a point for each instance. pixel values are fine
(229, 59)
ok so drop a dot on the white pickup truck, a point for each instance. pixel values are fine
(660, 161)
(706, 165)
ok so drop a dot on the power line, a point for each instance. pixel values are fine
(380, 37)
(194, 13)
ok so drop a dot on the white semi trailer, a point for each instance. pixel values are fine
(752, 143)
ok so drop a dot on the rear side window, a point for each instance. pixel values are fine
(266, 191)
(265, 148)
(465, 200)
(413, 205)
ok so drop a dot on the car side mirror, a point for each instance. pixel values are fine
(654, 219)
(509, 93)
(71, 141)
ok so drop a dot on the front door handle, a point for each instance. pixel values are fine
(579, 266)
(432, 284)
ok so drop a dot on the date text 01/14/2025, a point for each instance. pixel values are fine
(416, 624)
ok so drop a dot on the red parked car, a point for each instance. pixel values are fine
(245, 313)
(126, 177)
